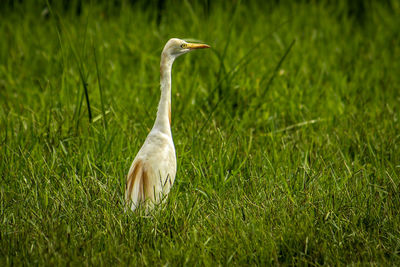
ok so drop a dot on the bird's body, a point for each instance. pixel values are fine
(153, 170)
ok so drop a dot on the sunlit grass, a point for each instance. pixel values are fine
(286, 132)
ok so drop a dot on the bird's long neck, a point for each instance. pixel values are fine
(163, 120)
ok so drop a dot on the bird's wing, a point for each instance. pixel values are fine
(136, 185)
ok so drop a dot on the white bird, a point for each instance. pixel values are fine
(153, 170)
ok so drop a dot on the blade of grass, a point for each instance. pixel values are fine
(100, 89)
(242, 61)
(78, 59)
(278, 66)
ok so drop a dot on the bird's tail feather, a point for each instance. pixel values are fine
(135, 185)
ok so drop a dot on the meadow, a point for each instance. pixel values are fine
(287, 132)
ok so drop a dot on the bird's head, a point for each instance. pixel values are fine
(176, 47)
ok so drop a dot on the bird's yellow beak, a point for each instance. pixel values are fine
(196, 46)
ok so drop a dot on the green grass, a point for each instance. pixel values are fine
(287, 134)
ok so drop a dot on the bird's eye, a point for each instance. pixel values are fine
(183, 45)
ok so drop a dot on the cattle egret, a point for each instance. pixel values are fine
(153, 170)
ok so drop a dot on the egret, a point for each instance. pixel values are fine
(153, 170)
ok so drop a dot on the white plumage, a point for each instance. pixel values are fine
(153, 170)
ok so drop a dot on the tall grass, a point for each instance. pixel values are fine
(286, 132)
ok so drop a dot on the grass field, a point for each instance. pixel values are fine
(287, 133)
